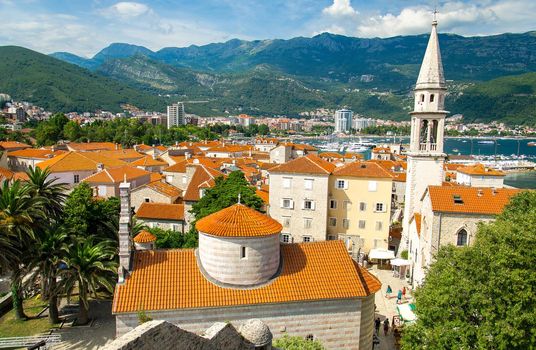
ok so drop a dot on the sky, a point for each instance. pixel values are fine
(84, 27)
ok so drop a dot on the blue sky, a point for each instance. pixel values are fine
(84, 27)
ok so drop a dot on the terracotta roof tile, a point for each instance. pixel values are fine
(77, 161)
(265, 195)
(123, 154)
(34, 153)
(6, 174)
(155, 177)
(117, 175)
(164, 188)
(310, 164)
(418, 219)
(480, 169)
(7, 145)
(179, 167)
(144, 237)
(202, 175)
(171, 279)
(238, 221)
(93, 146)
(470, 200)
(362, 169)
(161, 211)
(148, 161)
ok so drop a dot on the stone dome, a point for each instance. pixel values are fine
(256, 332)
(238, 247)
(238, 221)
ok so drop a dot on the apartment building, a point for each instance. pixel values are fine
(298, 198)
(359, 206)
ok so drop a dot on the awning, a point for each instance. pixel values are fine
(406, 312)
(381, 254)
(400, 262)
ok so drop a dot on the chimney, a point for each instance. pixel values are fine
(100, 167)
(480, 192)
(154, 155)
(186, 155)
(493, 191)
(125, 220)
(116, 146)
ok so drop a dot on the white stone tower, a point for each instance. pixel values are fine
(425, 156)
(125, 223)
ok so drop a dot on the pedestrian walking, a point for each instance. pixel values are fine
(377, 324)
(386, 326)
(404, 292)
(388, 292)
(399, 297)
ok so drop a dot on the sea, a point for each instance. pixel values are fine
(500, 148)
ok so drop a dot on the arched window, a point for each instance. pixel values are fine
(432, 98)
(462, 238)
(422, 97)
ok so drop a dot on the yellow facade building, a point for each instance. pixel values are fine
(359, 206)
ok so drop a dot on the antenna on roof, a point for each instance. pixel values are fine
(239, 198)
(125, 177)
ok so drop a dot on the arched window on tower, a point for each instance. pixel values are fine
(433, 137)
(432, 98)
(424, 130)
(462, 238)
(422, 97)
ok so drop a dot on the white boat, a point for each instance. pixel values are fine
(486, 142)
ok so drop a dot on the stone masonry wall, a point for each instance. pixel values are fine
(338, 324)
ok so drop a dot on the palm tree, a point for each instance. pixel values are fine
(20, 213)
(46, 256)
(46, 187)
(90, 266)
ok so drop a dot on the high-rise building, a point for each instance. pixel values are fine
(343, 120)
(425, 155)
(362, 123)
(175, 115)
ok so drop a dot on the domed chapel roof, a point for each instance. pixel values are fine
(144, 237)
(238, 221)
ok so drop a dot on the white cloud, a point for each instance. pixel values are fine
(127, 9)
(333, 29)
(340, 8)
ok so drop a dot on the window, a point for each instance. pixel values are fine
(286, 221)
(285, 238)
(147, 199)
(308, 204)
(307, 222)
(432, 98)
(184, 179)
(347, 205)
(332, 237)
(308, 184)
(332, 222)
(346, 223)
(169, 179)
(462, 238)
(457, 199)
(307, 239)
(379, 225)
(380, 207)
(287, 203)
(362, 224)
(373, 186)
(242, 252)
(287, 182)
(175, 227)
(362, 206)
(341, 184)
(333, 204)
(76, 179)
(422, 97)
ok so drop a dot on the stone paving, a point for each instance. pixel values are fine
(386, 308)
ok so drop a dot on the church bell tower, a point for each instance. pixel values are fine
(425, 155)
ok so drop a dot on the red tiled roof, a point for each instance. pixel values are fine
(7, 145)
(117, 175)
(362, 169)
(93, 146)
(164, 188)
(203, 176)
(148, 161)
(310, 164)
(485, 201)
(238, 221)
(161, 211)
(34, 153)
(171, 280)
(79, 161)
(481, 170)
(144, 237)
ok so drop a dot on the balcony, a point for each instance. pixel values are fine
(428, 147)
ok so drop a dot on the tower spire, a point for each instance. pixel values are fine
(431, 73)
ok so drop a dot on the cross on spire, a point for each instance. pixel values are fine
(435, 14)
(239, 198)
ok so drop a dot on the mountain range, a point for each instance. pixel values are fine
(265, 77)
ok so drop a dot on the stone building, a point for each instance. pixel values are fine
(162, 215)
(300, 201)
(106, 182)
(241, 271)
(155, 192)
(450, 215)
(479, 175)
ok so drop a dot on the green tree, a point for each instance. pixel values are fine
(72, 131)
(225, 193)
(51, 131)
(297, 343)
(264, 129)
(90, 266)
(20, 214)
(482, 297)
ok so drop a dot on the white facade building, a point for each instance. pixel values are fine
(425, 156)
(175, 115)
(343, 120)
(362, 123)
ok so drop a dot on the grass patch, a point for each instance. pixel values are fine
(10, 327)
